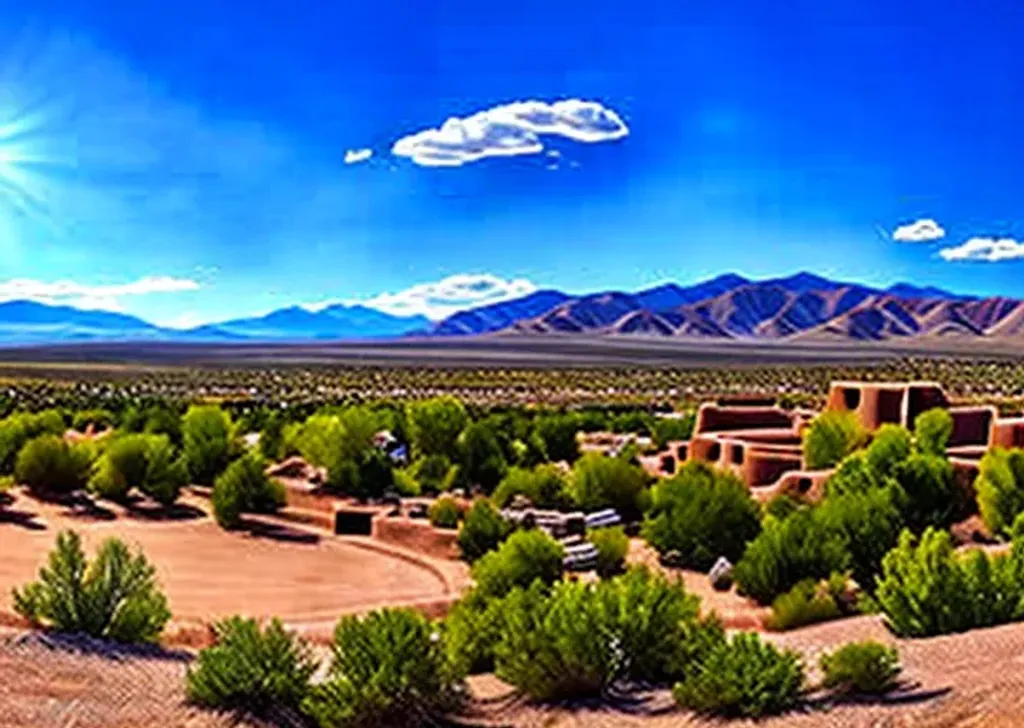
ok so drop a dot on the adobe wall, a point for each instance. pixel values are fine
(1007, 433)
(715, 418)
(417, 535)
(876, 404)
(972, 425)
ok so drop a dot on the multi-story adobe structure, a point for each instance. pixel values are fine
(761, 442)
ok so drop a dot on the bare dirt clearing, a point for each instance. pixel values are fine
(307, 578)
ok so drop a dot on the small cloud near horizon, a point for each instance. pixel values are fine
(355, 156)
(987, 250)
(921, 231)
(95, 297)
(443, 298)
(510, 130)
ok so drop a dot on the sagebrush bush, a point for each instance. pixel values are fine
(142, 461)
(445, 513)
(868, 668)
(18, 429)
(472, 629)
(114, 596)
(1000, 488)
(602, 482)
(522, 558)
(744, 676)
(483, 530)
(703, 514)
(830, 437)
(544, 485)
(389, 668)
(245, 488)
(49, 465)
(927, 588)
(263, 672)
(612, 546)
(806, 603)
(932, 430)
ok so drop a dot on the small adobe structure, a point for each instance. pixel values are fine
(761, 442)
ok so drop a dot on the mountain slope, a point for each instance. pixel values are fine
(334, 322)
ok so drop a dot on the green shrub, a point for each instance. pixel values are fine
(472, 629)
(1000, 488)
(806, 603)
(787, 552)
(389, 668)
(868, 524)
(115, 596)
(166, 474)
(781, 506)
(245, 488)
(146, 462)
(405, 484)
(208, 442)
(434, 426)
(927, 588)
(435, 473)
(932, 430)
(483, 530)
(49, 465)
(524, 557)
(702, 513)
(612, 545)
(868, 668)
(445, 513)
(18, 429)
(743, 677)
(602, 482)
(831, 436)
(545, 486)
(931, 496)
(558, 433)
(262, 672)
(671, 429)
(272, 443)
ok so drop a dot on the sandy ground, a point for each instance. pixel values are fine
(306, 577)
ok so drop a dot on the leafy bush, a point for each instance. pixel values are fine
(1000, 488)
(115, 596)
(389, 668)
(48, 465)
(867, 667)
(932, 430)
(139, 461)
(545, 486)
(787, 552)
(445, 513)
(702, 513)
(927, 589)
(602, 482)
(483, 530)
(18, 429)
(208, 442)
(743, 677)
(890, 446)
(612, 545)
(405, 484)
(272, 442)
(263, 672)
(245, 488)
(166, 474)
(524, 557)
(831, 436)
(781, 506)
(435, 473)
(558, 433)
(931, 496)
(472, 629)
(809, 602)
(671, 429)
(868, 524)
(580, 638)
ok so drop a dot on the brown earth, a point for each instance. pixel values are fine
(300, 574)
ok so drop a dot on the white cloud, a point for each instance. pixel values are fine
(107, 297)
(989, 250)
(355, 156)
(921, 231)
(450, 295)
(510, 130)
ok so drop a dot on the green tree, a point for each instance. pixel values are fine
(831, 436)
(603, 482)
(435, 425)
(932, 430)
(49, 465)
(209, 445)
(482, 459)
(544, 485)
(1000, 488)
(523, 557)
(558, 433)
(245, 488)
(482, 531)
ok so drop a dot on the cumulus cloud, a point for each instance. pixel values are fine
(450, 295)
(355, 156)
(988, 250)
(921, 231)
(82, 295)
(510, 130)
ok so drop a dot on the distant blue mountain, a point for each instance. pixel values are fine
(497, 316)
(907, 290)
(28, 322)
(672, 295)
(334, 322)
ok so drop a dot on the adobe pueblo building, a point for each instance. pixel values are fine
(761, 442)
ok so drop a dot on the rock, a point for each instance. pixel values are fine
(721, 575)
(672, 559)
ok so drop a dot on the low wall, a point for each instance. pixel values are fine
(417, 535)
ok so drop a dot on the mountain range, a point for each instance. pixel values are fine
(801, 307)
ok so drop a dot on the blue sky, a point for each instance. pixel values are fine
(188, 164)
